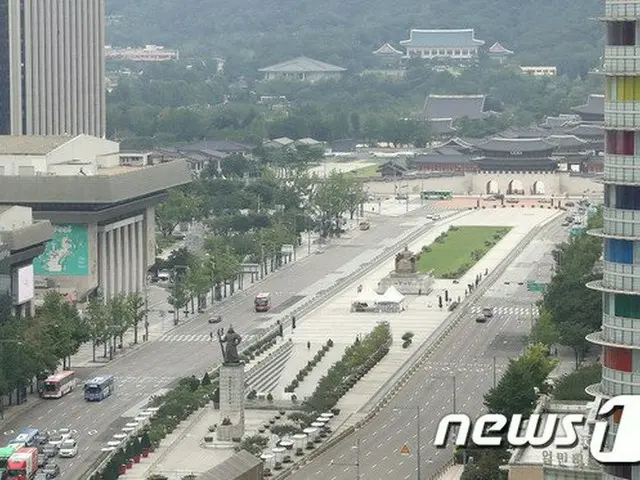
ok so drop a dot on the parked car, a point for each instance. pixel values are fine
(512, 200)
(51, 469)
(569, 204)
(481, 319)
(68, 449)
(487, 312)
(215, 319)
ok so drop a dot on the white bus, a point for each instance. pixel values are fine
(59, 384)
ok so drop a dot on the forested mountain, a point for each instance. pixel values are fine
(344, 32)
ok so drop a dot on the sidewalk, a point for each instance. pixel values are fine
(334, 320)
(160, 322)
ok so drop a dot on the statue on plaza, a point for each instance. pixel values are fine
(229, 344)
(406, 262)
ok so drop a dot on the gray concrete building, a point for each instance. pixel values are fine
(52, 76)
(100, 202)
(21, 241)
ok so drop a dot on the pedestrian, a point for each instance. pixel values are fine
(308, 345)
(211, 336)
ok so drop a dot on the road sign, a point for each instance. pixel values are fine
(405, 450)
(533, 286)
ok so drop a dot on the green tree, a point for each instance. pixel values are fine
(544, 329)
(178, 298)
(516, 390)
(179, 207)
(571, 386)
(136, 311)
(97, 318)
(63, 323)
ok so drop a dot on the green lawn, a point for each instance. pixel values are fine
(370, 171)
(457, 250)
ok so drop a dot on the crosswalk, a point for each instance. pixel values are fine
(179, 337)
(517, 311)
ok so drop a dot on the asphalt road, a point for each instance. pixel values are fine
(466, 354)
(159, 364)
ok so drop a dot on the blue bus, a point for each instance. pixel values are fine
(99, 388)
(27, 437)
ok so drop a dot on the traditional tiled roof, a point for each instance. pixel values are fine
(441, 126)
(302, 65)
(399, 164)
(387, 49)
(498, 49)
(284, 141)
(526, 132)
(439, 158)
(456, 143)
(454, 106)
(587, 130)
(567, 141)
(31, 144)
(499, 144)
(594, 105)
(225, 146)
(308, 141)
(559, 121)
(460, 38)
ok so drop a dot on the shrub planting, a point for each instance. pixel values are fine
(310, 366)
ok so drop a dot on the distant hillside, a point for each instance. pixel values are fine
(547, 32)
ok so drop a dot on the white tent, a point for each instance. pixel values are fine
(391, 301)
(366, 300)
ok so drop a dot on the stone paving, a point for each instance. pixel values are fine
(334, 319)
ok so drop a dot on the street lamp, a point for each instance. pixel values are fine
(357, 462)
(2, 342)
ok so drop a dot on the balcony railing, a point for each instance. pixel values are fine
(622, 60)
(622, 115)
(624, 223)
(622, 168)
(621, 276)
(620, 10)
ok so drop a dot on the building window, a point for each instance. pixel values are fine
(621, 33)
(618, 251)
(441, 52)
(617, 359)
(620, 471)
(622, 89)
(619, 142)
(627, 306)
(457, 53)
(449, 52)
(627, 197)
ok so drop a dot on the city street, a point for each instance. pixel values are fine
(183, 352)
(464, 361)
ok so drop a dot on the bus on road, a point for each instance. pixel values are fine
(436, 195)
(262, 302)
(59, 384)
(99, 388)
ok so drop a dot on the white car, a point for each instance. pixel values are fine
(68, 449)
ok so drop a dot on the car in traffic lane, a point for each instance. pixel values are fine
(68, 449)
(52, 470)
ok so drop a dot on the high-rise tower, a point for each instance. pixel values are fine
(52, 67)
(620, 286)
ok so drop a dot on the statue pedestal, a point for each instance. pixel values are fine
(407, 283)
(231, 401)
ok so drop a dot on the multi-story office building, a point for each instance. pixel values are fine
(52, 79)
(620, 286)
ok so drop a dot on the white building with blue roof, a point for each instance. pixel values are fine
(442, 43)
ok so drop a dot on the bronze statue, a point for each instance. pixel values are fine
(229, 344)
(406, 262)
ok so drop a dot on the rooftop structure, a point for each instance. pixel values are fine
(620, 287)
(515, 154)
(454, 107)
(593, 110)
(549, 462)
(302, 69)
(539, 71)
(499, 53)
(442, 43)
(21, 240)
(101, 203)
(388, 50)
(148, 53)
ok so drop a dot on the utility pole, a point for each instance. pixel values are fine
(494, 372)
(454, 394)
(418, 442)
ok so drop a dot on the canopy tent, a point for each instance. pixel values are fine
(391, 301)
(366, 300)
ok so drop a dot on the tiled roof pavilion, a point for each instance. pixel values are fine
(454, 106)
(387, 49)
(442, 38)
(302, 64)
